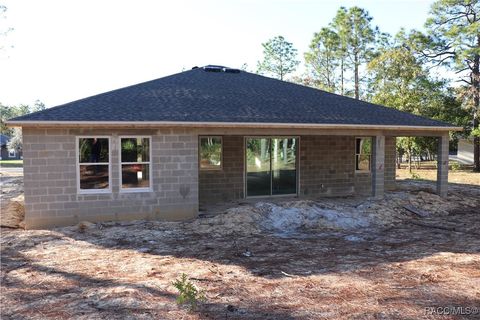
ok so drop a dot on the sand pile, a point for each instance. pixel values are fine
(12, 210)
(293, 217)
(303, 216)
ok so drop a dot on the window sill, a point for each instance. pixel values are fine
(136, 190)
(211, 169)
(94, 191)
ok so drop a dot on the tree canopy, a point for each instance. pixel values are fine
(322, 60)
(453, 40)
(351, 56)
(279, 58)
(357, 39)
(8, 112)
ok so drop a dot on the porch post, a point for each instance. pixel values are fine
(442, 166)
(378, 166)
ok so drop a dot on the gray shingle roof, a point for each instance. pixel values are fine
(200, 96)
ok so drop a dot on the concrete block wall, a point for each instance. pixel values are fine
(326, 168)
(363, 183)
(50, 169)
(227, 183)
(327, 165)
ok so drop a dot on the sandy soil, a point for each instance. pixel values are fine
(427, 171)
(11, 198)
(393, 267)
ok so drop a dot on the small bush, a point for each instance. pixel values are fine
(456, 166)
(415, 176)
(188, 292)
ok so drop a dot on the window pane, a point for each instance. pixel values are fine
(135, 176)
(93, 176)
(135, 149)
(358, 143)
(284, 170)
(363, 162)
(364, 146)
(258, 167)
(93, 150)
(210, 152)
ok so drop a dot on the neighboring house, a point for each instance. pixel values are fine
(160, 149)
(465, 151)
(6, 153)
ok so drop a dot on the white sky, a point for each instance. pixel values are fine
(67, 50)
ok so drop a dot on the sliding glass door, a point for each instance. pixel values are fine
(271, 166)
(258, 167)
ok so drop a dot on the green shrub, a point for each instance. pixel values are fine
(475, 132)
(415, 175)
(456, 166)
(188, 293)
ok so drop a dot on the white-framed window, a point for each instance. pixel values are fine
(93, 164)
(363, 152)
(135, 163)
(12, 153)
(210, 152)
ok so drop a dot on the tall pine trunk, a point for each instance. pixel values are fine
(357, 85)
(341, 77)
(409, 162)
(409, 155)
(476, 107)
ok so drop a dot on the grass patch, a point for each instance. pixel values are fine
(11, 163)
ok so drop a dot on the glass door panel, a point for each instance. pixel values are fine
(271, 166)
(258, 167)
(284, 168)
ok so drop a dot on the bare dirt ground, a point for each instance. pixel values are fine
(348, 258)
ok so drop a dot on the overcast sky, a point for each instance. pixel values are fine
(67, 50)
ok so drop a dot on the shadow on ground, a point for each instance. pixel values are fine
(125, 270)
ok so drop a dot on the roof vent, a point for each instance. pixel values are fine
(213, 68)
(210, 68)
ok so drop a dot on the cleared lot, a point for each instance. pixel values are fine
(428, 171)
(327, 258)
